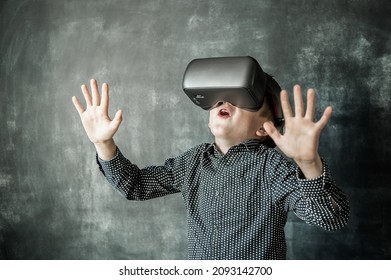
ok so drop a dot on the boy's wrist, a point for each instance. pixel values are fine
(106, 150)
(311, 169)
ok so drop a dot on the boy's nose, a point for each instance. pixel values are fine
(219, 103)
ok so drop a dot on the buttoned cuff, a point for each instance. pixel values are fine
(314, 187)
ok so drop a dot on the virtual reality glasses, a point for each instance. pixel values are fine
(237, 80)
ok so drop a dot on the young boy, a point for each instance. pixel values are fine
(237, 191)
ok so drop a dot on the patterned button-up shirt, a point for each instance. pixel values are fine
(236, 203)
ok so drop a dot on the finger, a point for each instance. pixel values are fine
(310, 112)
(299, 105)
(105, 98)
(325, 117)
(285, 104)
(77, 105)
(115, 123)
(95, 93)
(272, 131)
(87, 95)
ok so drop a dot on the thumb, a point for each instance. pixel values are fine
(115, 123)
(272, 131)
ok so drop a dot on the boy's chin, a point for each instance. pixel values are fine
(218, 131)
(222, 133)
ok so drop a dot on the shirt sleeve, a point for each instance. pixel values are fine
(141, 184)
(316, 201)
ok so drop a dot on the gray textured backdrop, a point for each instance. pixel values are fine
(55, 204)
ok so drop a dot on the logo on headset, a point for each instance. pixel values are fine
(199, 96)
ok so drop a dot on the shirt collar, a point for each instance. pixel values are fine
(252, 145)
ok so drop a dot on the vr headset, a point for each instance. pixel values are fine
(237, 80)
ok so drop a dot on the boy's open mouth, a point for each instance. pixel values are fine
(224, 113)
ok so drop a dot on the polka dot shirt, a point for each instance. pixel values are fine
(236, 203)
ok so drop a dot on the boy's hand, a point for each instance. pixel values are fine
(301, 138)
(99, 127)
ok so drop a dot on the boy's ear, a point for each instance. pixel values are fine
(261, 132)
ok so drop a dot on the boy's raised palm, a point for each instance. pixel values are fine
(301, 137)
(95, 119)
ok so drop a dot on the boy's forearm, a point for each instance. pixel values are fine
(312, 169)
(106, 150)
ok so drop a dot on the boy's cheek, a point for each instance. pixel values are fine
(211, 120)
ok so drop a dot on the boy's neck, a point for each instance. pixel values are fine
(223, 144)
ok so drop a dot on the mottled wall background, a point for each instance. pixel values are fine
(55, 204)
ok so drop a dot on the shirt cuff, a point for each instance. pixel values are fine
(112, 166)
(314, 187)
